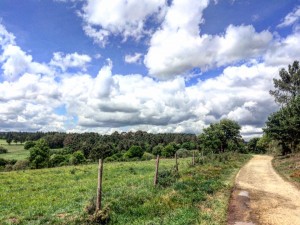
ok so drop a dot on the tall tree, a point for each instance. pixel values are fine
(284, 126)
(220, 137)
(288, 86)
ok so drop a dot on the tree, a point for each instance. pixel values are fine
(134, 151)
(288, 86)
(39, 154)
(222, 136)
(168, 150)
(284, 126)
(257, 145)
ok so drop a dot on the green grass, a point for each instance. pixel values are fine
(15, 151)
(59, 195)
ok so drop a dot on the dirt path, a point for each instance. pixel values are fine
(262, 197)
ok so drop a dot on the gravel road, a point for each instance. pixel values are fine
(262, 197)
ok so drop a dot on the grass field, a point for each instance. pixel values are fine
(15, 151)
(59, 195)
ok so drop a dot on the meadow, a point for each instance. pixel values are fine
(199, 195)
(15, 151)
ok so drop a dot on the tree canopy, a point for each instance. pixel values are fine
(288, 86)
(222, 136)
(284, 125)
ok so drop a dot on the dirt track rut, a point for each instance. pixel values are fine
(262, 197)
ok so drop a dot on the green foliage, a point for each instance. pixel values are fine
(157, 150)
(148, 156)
(257, 145)
(287, 87)
(3, 150)
(58, 160)
(77, 158)
(221, 137)
(39, 155)
(29, 144)
(284, 126)
(168, 150)
(21, 165)
(134, 151)
(3, 162)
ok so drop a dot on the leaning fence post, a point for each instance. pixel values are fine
(99, 189)
(176, 163)
(156, 170)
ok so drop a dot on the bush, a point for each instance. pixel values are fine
(134, 151)
(183, 153)
(29, 144)
(148, 156)
(3, 150)
(3, 162)
(168, 151)
(21, 165)
(77, 158)
(58, 160)
(39, 154)
(167, 177)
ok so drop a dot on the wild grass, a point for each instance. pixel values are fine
(15, 151)
(289, 167)
(59, 195)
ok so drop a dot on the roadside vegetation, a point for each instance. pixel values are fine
(197, 195)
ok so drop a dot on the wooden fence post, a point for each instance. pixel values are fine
(176, 163)
(193, 160)
(99, 189)
(156, 171)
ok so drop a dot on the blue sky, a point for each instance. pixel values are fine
(154, 65)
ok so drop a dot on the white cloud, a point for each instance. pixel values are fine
(291, 18)
(177, 47)
(118, 17)
(135, 58)
(73, 60)
(6, 38)
(16, 62)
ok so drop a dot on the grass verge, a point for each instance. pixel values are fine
(59, 195)
(289, 167)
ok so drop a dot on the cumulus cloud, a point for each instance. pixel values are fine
(74, 60)
(291, 18)
(177, 47)
(119, 17)
(16, 62)
(135, 58)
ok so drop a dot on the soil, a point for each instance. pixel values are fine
(262, 197)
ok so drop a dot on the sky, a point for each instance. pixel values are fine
(151, 65)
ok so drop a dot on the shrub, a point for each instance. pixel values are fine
(29, 144)
(39, 154)
(183, 153)
(58, 160)
(3, 150)
(3, 162)
(21, 165)
(168, 151)
(157, 150)
(148, 156)
(134, 151)
(77, 158)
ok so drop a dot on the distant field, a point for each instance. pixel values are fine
(58, 195)
(15, 151)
